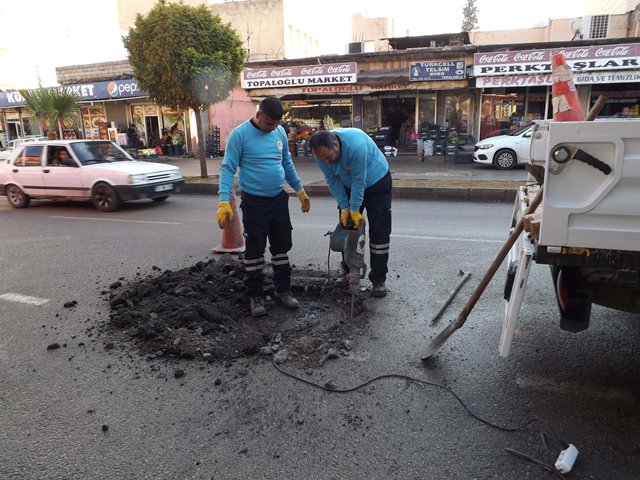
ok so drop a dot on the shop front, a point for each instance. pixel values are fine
(398, 107)
(516, 85)
(106, 111)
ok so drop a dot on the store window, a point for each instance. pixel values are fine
(621, 102)
(457, 111)
(369, 113)
(536, 101)
(426, 113)
(501, 113)
(94, 119)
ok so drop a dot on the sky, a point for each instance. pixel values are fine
(73, 32)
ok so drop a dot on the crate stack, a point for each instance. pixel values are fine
(213, 142)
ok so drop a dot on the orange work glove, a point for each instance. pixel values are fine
(344, 217)
(224, 214)
(357, 218)
(305, 203)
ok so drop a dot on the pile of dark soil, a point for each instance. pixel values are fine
(202, 312)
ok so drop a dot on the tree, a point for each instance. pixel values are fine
(54, 107)
(469, 16)
(185, 57)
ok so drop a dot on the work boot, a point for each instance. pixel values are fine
(257, 307)
(379, 290)
(287, 300)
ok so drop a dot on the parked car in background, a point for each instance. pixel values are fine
(504, 151)
(94, 170)
(13, 144)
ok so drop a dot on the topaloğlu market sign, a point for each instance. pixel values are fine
(594, 64)
(327, 74)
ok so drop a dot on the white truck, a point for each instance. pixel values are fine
(587, 227)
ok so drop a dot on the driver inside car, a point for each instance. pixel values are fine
(61, 159)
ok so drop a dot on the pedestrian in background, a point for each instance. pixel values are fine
(358, 177)
(132, 136)
(259, 148)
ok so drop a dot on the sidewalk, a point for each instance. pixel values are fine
(434, 178)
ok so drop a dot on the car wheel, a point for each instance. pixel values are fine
(505, 159)
(160, 199)
(17, 198)
(105, 198)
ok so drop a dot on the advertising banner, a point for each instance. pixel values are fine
(113, 89)
(579, 59)
(437, 70)
(327, 74)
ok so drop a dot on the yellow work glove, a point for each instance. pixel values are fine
(344, 217)
(357, 218)
(305, 203)
(224, 214)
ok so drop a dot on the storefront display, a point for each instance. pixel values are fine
(93, 118)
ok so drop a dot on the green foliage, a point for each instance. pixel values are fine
(184, 56)
(53, 107)
(469, 16)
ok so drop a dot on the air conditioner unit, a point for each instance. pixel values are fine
(595, 26)
(356, 47)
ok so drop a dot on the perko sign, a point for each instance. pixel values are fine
(327, 74)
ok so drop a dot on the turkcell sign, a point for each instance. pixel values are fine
(282, 77)
(437, 70)
(85, 92)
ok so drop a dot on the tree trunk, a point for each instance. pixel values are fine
(202, 144)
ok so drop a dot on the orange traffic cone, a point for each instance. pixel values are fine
(232, 241)
(565, 100)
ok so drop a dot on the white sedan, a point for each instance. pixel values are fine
(99, 171)
(504, 151)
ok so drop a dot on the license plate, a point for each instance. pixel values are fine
(162, 188)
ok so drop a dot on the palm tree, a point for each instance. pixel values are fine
(63, 108)
(55, 108)
(38, 102)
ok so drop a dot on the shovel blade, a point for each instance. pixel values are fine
(442, 337)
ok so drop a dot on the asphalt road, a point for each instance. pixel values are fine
(258, 423)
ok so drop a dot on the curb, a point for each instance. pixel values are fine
(470, 194)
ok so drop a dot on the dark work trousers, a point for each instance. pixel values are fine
(262, 218)
(377, 203)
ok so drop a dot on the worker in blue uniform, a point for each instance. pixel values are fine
(258, 147)
(358, 177)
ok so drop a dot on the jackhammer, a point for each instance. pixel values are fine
(350, 241)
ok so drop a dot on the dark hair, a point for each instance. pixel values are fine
(272, 108)
(322, 138)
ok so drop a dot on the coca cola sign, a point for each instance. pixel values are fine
(579, 59)
(321, 74)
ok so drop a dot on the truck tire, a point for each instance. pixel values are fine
(574, 305)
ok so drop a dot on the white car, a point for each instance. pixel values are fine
(99, 170)
(504, 151)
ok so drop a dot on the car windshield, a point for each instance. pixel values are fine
(521, 130)
(99, 152)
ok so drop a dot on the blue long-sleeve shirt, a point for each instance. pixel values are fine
(263, 159)
(360, 165)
